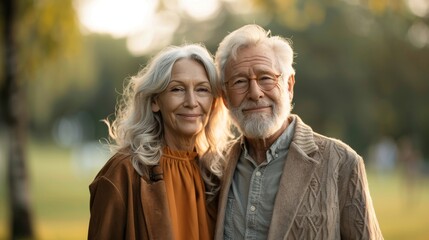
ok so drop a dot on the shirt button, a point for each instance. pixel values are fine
(258, 173)
(252, 208)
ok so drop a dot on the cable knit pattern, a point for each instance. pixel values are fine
(303, 137)
(323, 192)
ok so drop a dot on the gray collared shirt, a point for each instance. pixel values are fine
(253, 190)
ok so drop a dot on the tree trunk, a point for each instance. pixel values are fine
(15, 118)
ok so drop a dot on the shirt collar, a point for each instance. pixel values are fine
(281, 144)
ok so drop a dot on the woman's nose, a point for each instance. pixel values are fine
(190, 99)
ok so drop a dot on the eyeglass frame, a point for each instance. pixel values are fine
(276, 78)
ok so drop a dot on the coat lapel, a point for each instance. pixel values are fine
(155, 209)
(297, 174)
(226, 184)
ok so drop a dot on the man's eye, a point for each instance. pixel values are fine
(266, 78)
(240, 81)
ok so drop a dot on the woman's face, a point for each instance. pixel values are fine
(186, 103)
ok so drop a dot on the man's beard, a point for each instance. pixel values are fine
(261, 125)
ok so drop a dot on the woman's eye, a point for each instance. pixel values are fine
(177, 89)
(203, 89)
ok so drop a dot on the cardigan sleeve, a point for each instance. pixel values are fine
(358, 219)
(107, 208)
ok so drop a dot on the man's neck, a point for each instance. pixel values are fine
(258, 147)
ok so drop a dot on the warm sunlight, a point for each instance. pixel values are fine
(200, 10)
(118, 18)
(418, 7)
(145, 24)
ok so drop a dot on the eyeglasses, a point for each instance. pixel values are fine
(266, 82)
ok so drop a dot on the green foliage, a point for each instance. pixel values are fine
(359, 75)
(46, 31)
(50, 56)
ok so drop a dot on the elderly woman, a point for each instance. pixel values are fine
(168, 146)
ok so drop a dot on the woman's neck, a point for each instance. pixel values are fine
(180, 143)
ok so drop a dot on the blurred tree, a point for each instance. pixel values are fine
(52, 58)
(20, 211)
(34, 33)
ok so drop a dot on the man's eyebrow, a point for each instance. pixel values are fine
(256, 71)
(240, 74)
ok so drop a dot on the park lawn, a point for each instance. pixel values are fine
(59, 190)
(403, 212)
(61, 194)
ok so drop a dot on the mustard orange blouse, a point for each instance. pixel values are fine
(186, 195)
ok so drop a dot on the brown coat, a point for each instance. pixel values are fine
(323, 192)
(124, 205)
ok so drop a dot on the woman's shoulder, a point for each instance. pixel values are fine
(114, 181)
(117, 167)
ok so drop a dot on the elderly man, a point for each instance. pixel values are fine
(283, 181)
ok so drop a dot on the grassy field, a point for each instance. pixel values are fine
(59, 191)
(402, 210)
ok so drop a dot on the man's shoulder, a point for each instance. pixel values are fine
(336, 147)
(323, 142)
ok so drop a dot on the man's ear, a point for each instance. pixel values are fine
(290, 85)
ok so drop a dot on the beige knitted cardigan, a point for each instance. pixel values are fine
(323, 192)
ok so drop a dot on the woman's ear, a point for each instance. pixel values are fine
(155, 106)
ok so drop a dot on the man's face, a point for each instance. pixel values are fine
(258, 113)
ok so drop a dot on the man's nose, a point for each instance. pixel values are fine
(255, 92)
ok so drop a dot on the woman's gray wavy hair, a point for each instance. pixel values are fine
(140, 130)
(251, 35)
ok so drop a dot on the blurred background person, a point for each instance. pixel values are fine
(383, 156)
(411, 167)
